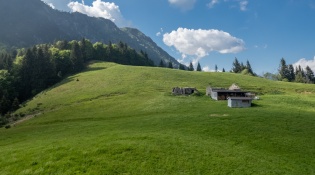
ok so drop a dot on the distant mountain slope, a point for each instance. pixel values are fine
(25, 23)
(144, 41)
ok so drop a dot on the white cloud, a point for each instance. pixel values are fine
(101, 9)
(51, 5)
(58, 4)
(265, 46)
(160, 32)
(206, 69)
(183, 4)
(212, 3)
(200, 43)
(243, 5)
(304, 62)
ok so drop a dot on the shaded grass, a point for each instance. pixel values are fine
(123, 120)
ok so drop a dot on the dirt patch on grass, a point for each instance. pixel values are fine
(219, 115)
(28, 117)
(306, 92)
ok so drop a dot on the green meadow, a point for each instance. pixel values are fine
(116, 119)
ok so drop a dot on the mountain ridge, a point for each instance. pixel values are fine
(31, 22)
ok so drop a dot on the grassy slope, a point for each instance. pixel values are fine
(123, 120)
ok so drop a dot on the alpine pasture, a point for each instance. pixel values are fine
(116, 119)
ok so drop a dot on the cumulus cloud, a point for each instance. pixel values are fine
(304, 62)
(243, 5)
(183, 4)
(100, 9)
(200, 43)
(212, 3)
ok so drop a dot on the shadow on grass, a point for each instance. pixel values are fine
(255, 105)
(90, 69)
(73, 77)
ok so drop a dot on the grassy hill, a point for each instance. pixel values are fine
(115, 119)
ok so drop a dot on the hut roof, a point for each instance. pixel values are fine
(240, 98)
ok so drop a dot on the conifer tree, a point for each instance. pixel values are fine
(249, 68)
(15, 104)
(284, 71)
(181, 67)
(223, 70)
(170, 65)
(161, 64)
(5, 105)
(237, 68)
(216, 68)
(309, 75)
(25, 74)
(76, 57)
(291, 74)
(198, 67)
(191, 67)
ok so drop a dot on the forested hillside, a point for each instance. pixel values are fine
(27, 72)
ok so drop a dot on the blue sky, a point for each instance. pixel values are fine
(214, 32)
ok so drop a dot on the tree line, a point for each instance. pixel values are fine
(290, 74)
(26, 72)
(238, 67)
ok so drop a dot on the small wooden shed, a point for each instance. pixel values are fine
(240, 102)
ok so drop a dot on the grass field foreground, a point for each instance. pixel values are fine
(115, 119)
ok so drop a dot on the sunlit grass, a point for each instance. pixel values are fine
(114, 119)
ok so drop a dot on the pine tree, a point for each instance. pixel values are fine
(198, 67)
(191, 67)
(161, 64)
(76, 57)
(170, 65)
(309, 75)
(284, 70)
(291, 74)
(25, 74)
(299, 75)
(15, 104)
(223, 70)
(249, 68)
(7, 62)
(4, 105)
(236, 66)
(181, 67)
(216, 68)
